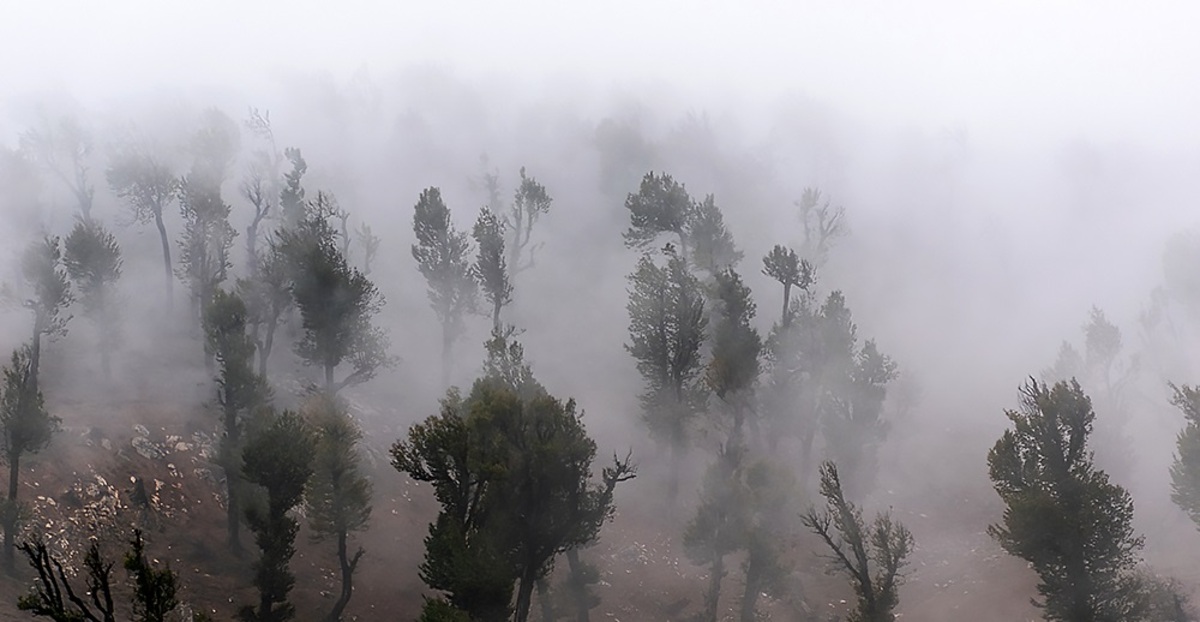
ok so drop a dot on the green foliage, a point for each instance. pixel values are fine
(530, 203)
(511, 467)
(207, 237)
(661, 205)
(871, 558)
(442, 255)
(439, 610)
(491, 267)
(278, 457)
(734, 367)
(154, 595)
(337, 303)
(785, 266)
(291, 197)
(338, 497)
(48, 292)
(27, 427)
(1063, 515)
(710, 241)
(1185, 471)
(93, 260)
(268, 295)
(666, 331)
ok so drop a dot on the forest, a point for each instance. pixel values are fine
(429, 346)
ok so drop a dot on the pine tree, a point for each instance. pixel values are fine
(338, 497)
(871, 558)
(150, 188)
(491, 267)
(1063, 515)
(661, 205)
(92, 258)
(666, 330)
(27, 429)
(443, 257)
(278, 457)
(711, 242)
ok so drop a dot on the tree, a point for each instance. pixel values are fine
(1063, 515)
(530, 203)
(442, 255)
(63, 152)
(491, 267)
(666, 331)
(661, 205)
(154, 589)
(511, 467)
(260, 186)
(154, 596)
(769, 495)
(239, 392)
(292, 207)
(719, 525)
(856, 549)
(337, 303)
(27, 429)
(207, 234)
(338, 497)
(47, 598)
(371, 244)
(822, 225)
(149, 187)
(734, 368)
(711, 242)
(278, 458)
(1185, 471)
(49, 294)
(93, 260)
(268, 295)
(785, 266)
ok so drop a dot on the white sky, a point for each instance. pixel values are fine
(1108, 70)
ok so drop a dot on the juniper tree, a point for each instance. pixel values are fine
(292, 207)
(661, 205)
(733, 370)
(239, 392)
(149, 187)
(770, 491)
(155, 589)
(719, 526)
(443, 257)
(511, 467)
(1185, 470)
(93, 260)
(268, 296)
(27, 429)
(278, 457)
(338, 497)
(710, 241)
(666, 331)
(785, 266)
(530, 203)
(491, 267)
(871, 557)
(47, 295)
(337, 303)
(1063, 515)
(207, 235)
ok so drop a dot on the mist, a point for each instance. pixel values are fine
(1003, 171)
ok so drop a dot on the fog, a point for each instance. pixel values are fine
(1003, 170)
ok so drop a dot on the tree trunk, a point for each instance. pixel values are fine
(347, 566)
(753, 581)
(545, 602)
(578, 586)
(265, 353)
(329, 388)
(496, 316)
(166, 250)
(233, 512)
(674, 467)
(10, 511)
(447, 342)
(713, 596)
(786, 319)
(35, 355)
(525, 594)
